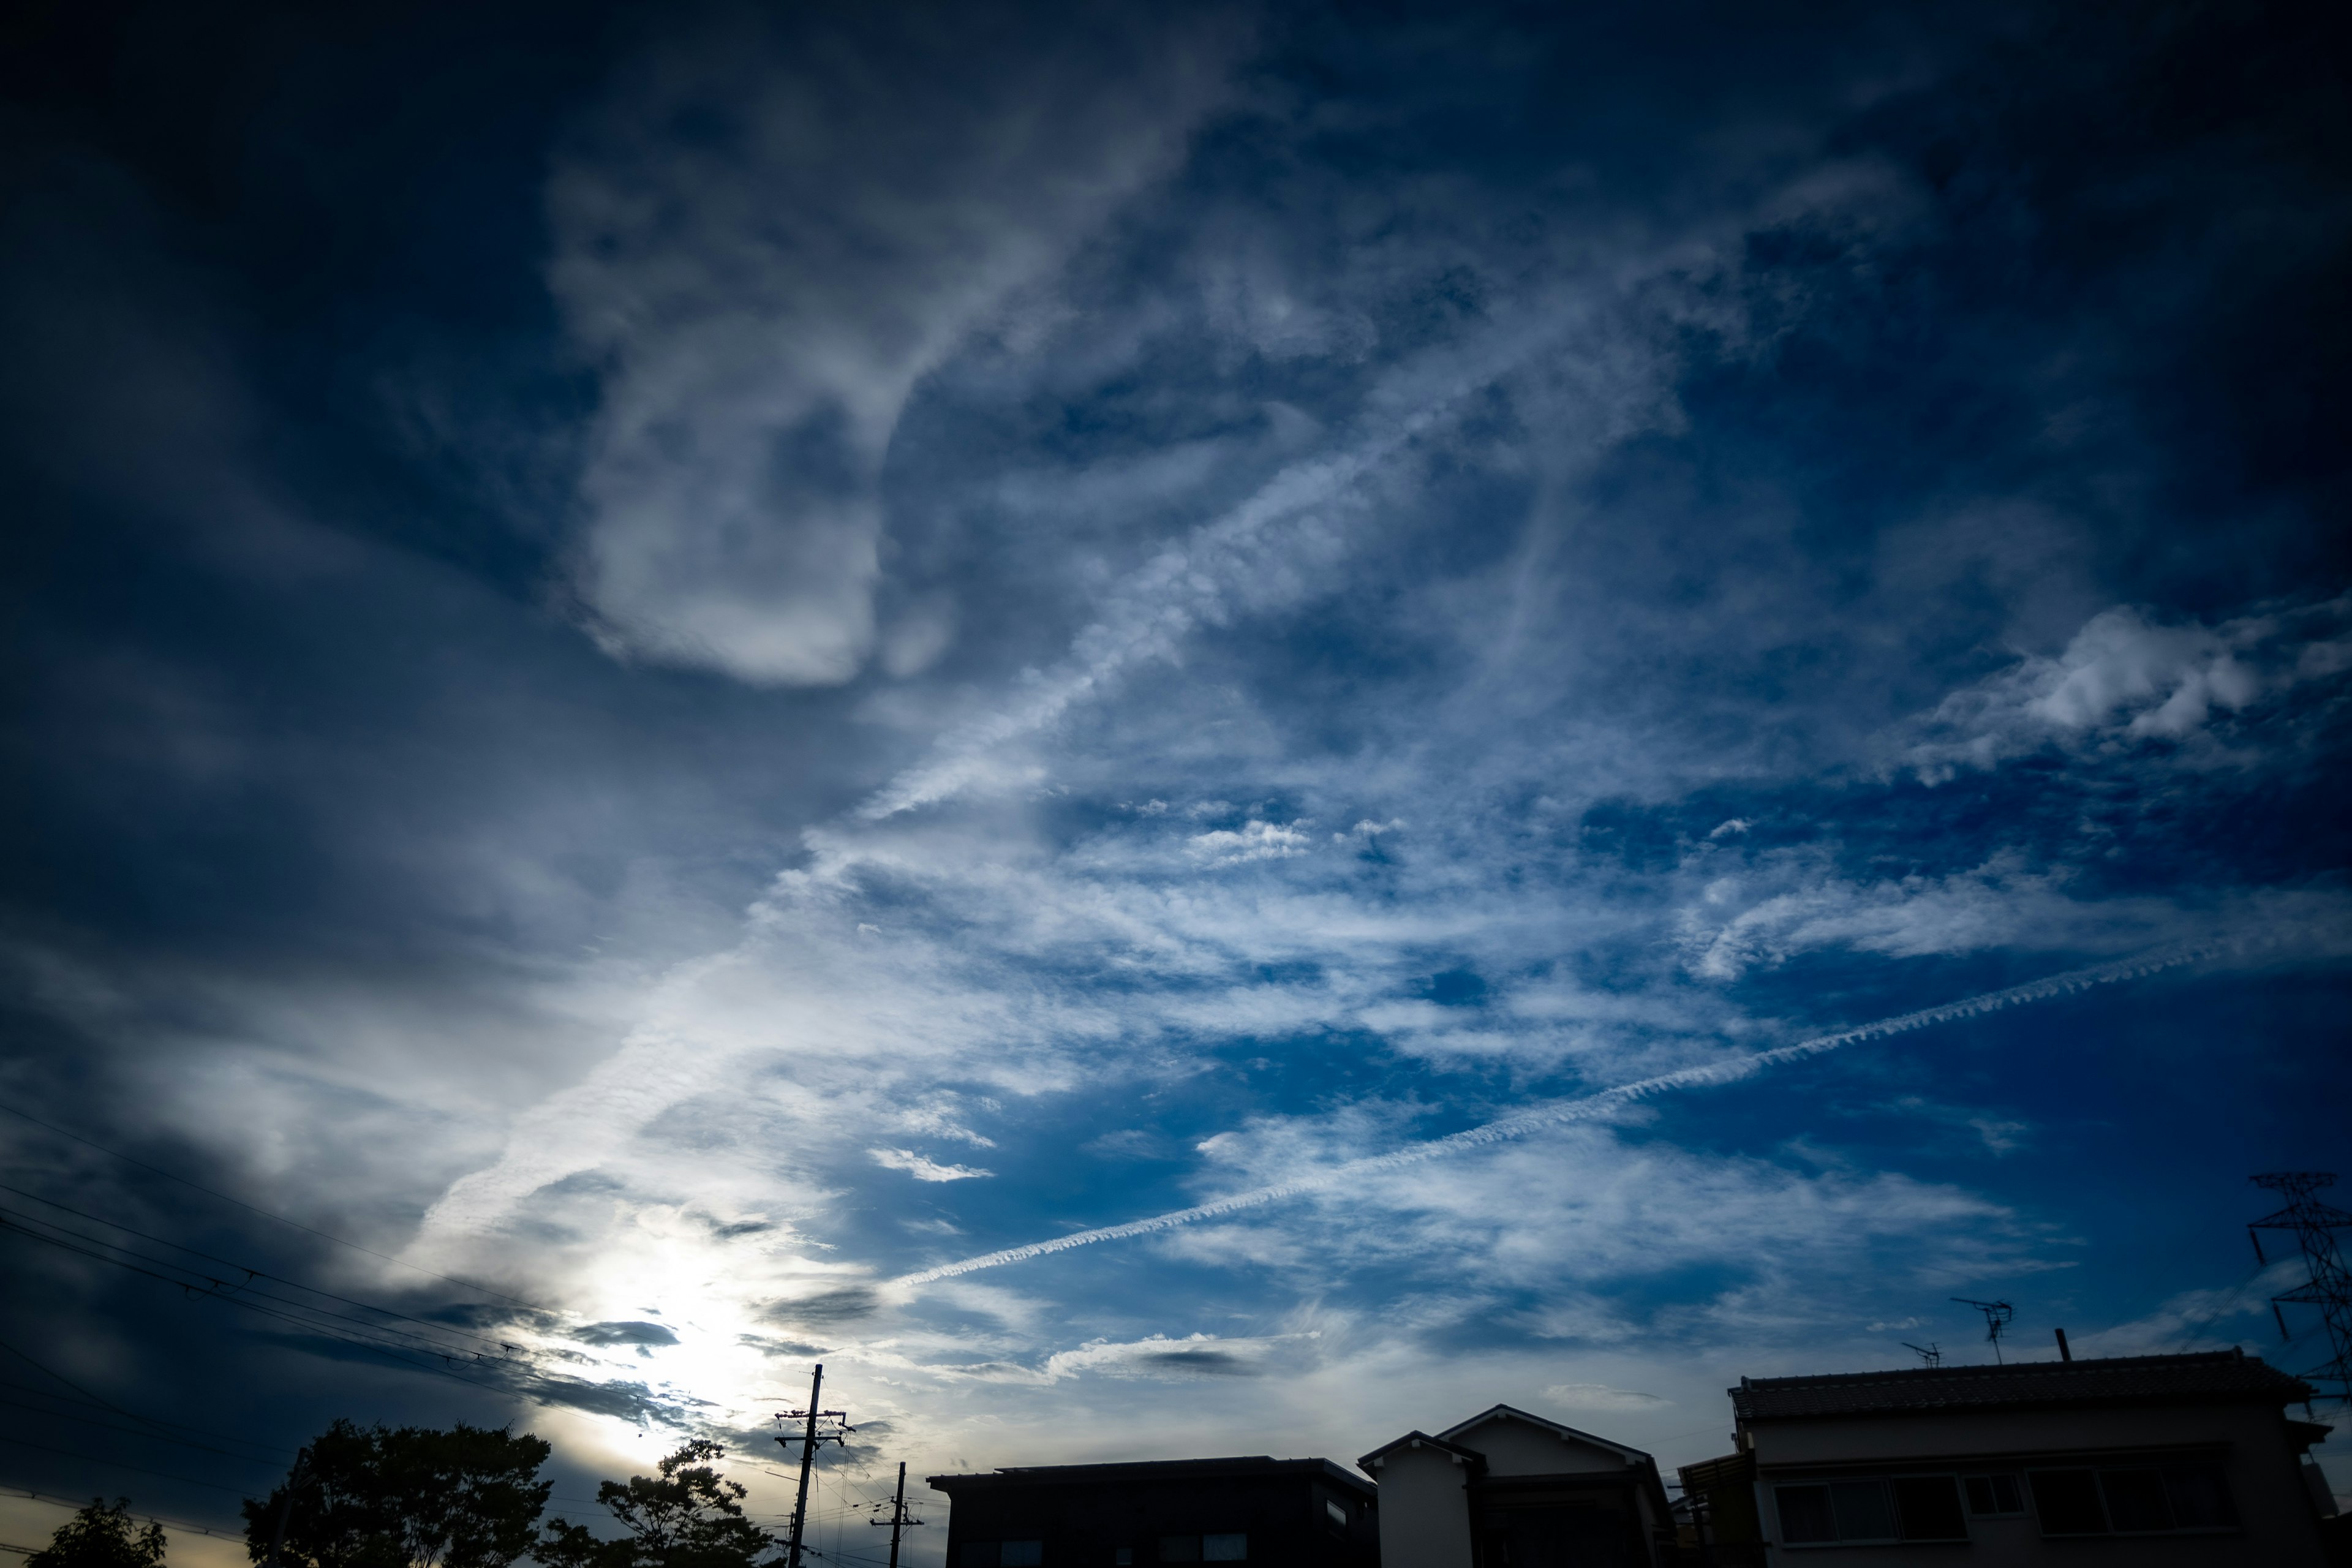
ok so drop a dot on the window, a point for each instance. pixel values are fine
(1339, 1515)
(1930, 1509)
(2068, 1502)
(1995, 1495)
(1232, 1548)
(2135, 1503)
(2134, 1499)
(1805, 1516)
(2200, 1498)
(1907, 1508)
(1020, 1553)
(1123, 1556)
(1180, 1548)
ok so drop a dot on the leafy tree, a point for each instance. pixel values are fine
(407, 1497)
(101, 1536)
(685, 1517)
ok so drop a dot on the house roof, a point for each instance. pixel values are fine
(2208, 1377)
(1145, 1472)
(1455, 1451)
(1570, 1434)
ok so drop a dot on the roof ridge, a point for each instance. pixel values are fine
(2080, 1363)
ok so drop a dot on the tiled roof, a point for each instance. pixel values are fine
(2216, 1376)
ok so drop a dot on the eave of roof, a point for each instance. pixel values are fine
(2206, 1377)
(1145, 1470)
(1454, 1451)
(1513, 1413)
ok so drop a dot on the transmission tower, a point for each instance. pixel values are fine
(1930, 1354)
(1997, 1315)
(899, 1521)
(2329, 1288)
(819, 1426)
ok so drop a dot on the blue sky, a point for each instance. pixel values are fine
(693, 663)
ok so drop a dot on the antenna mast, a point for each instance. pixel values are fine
(1997, 1315)
(822, 1427)
(1930, 1354)
(2329, 1288)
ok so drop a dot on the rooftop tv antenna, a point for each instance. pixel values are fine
(821, 1426)
(1930, 1354)
(1997, 1315)
(2329, 1287)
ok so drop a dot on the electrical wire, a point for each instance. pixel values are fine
(213, 1290)
(313, 1319)
(134, 1431)
(403, 1347)
(117, 1464)
(152, 1519)
(271, 1448)
(281, 1219)
(18, 1220)
(254, 1273)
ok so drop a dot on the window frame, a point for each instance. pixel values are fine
(1889, 1501)
(2024, 1509)
(2165, 1474)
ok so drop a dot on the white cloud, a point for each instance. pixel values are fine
(1788, 904)
(1252, 841)
(1601, 1396)
(2125, 680)
(761, 298)
(923, 1169)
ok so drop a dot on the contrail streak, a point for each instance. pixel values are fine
(1586, 1108)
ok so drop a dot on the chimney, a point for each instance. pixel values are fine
(2063, 1352)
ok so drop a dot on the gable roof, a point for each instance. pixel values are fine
(1567, 1433)
(1454, 1451)
(2206, 1377)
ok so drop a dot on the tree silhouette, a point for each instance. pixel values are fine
(686, 1517)
(101, 1536)
(408, 1497)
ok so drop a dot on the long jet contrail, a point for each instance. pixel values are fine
(1585, 1108)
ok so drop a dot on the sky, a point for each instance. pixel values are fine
(1176, 731)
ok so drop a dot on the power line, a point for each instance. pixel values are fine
(204, 1285)
(117, 1464)
(273, 1448)
(150, 1518)
(254, 1273)
(281, 1219)
(49, 1372)
(397, 1352)
(134, 1431)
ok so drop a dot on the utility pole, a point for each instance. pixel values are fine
(1997, 1315)
(816, 1431)
(2329, 1288)
(897, 1521)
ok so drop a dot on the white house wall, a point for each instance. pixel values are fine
(1514, 1447)
(1425, 1509)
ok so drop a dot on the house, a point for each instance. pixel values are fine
(1510, 1490)
(1298, 1513)
(2154, 1460)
